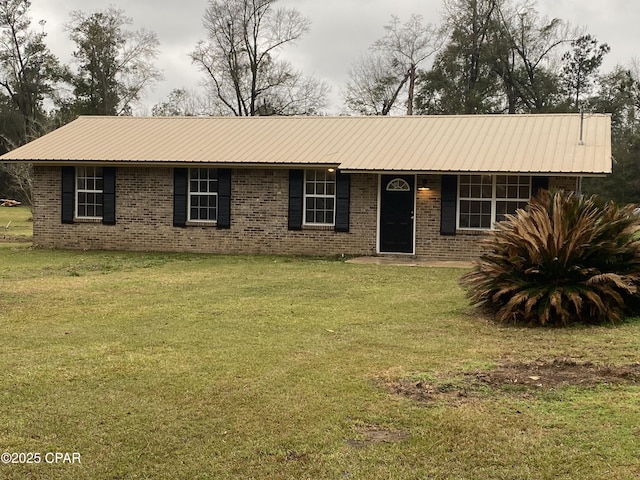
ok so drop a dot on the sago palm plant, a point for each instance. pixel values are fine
(564, 259)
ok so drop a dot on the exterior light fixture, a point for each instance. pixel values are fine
(423, 186)
(331, 170)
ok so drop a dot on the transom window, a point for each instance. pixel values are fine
(398, 185)
(319, 197)
(89, 192)
(486, 199)
(203, 195)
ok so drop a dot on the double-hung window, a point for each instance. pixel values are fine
(486, 199)
(203, 195)
(319, 197)
(89, 192)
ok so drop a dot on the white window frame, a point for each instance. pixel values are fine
(313, 196)
(494, 199)
(95, 175)
(208, 193)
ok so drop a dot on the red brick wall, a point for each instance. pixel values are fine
(259, 207)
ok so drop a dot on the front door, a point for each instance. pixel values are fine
(397, 203)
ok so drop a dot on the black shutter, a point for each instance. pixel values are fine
(343, 193)
(68, 194)
(224, 198)
(109, 196)
(180, 189)
(296, 189)
(448, 204)
(537, 184)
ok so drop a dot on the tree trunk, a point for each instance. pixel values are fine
(412, 85)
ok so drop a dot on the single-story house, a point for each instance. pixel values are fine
(423, 185)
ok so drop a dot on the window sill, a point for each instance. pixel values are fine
(473, 232)
(87, 220)
(326, 228)
(191, 223)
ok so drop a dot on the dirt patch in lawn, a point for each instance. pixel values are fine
(513, 377)
(372, 434)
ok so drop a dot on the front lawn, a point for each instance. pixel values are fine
(235, 367)
(16, 223)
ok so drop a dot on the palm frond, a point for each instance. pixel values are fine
(565, 258)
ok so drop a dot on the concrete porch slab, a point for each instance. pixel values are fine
(410, 261)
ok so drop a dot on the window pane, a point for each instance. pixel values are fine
(331, 188)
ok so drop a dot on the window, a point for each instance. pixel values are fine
(203, 195)
(89, 192)
(486, 199)
(398, 185)
(319, 197)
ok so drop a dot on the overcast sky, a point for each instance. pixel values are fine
(340, 31)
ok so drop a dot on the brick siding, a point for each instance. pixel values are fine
(259, 207)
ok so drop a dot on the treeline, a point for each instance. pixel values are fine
(485, 56)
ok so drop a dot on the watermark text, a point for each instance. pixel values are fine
(35, 458)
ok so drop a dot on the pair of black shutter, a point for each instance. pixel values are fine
(449, 200)
(296, 200)
(181, 200)
(108, 195)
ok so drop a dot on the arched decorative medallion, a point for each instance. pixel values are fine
(398, 185)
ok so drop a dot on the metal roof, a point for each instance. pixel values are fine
(544, 143)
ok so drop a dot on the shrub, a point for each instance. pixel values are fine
(565, 259)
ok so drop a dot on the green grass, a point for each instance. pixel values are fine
(234, 367)
(16, 223)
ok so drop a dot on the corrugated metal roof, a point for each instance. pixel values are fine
(548, 143)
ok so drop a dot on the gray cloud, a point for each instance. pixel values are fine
(341, 30)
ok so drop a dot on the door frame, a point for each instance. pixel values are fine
(379, 221)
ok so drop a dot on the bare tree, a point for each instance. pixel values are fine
(240, 60)
(179, 103)
(378, 78)
(527, 55)
(408, 45)
(372, 87)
